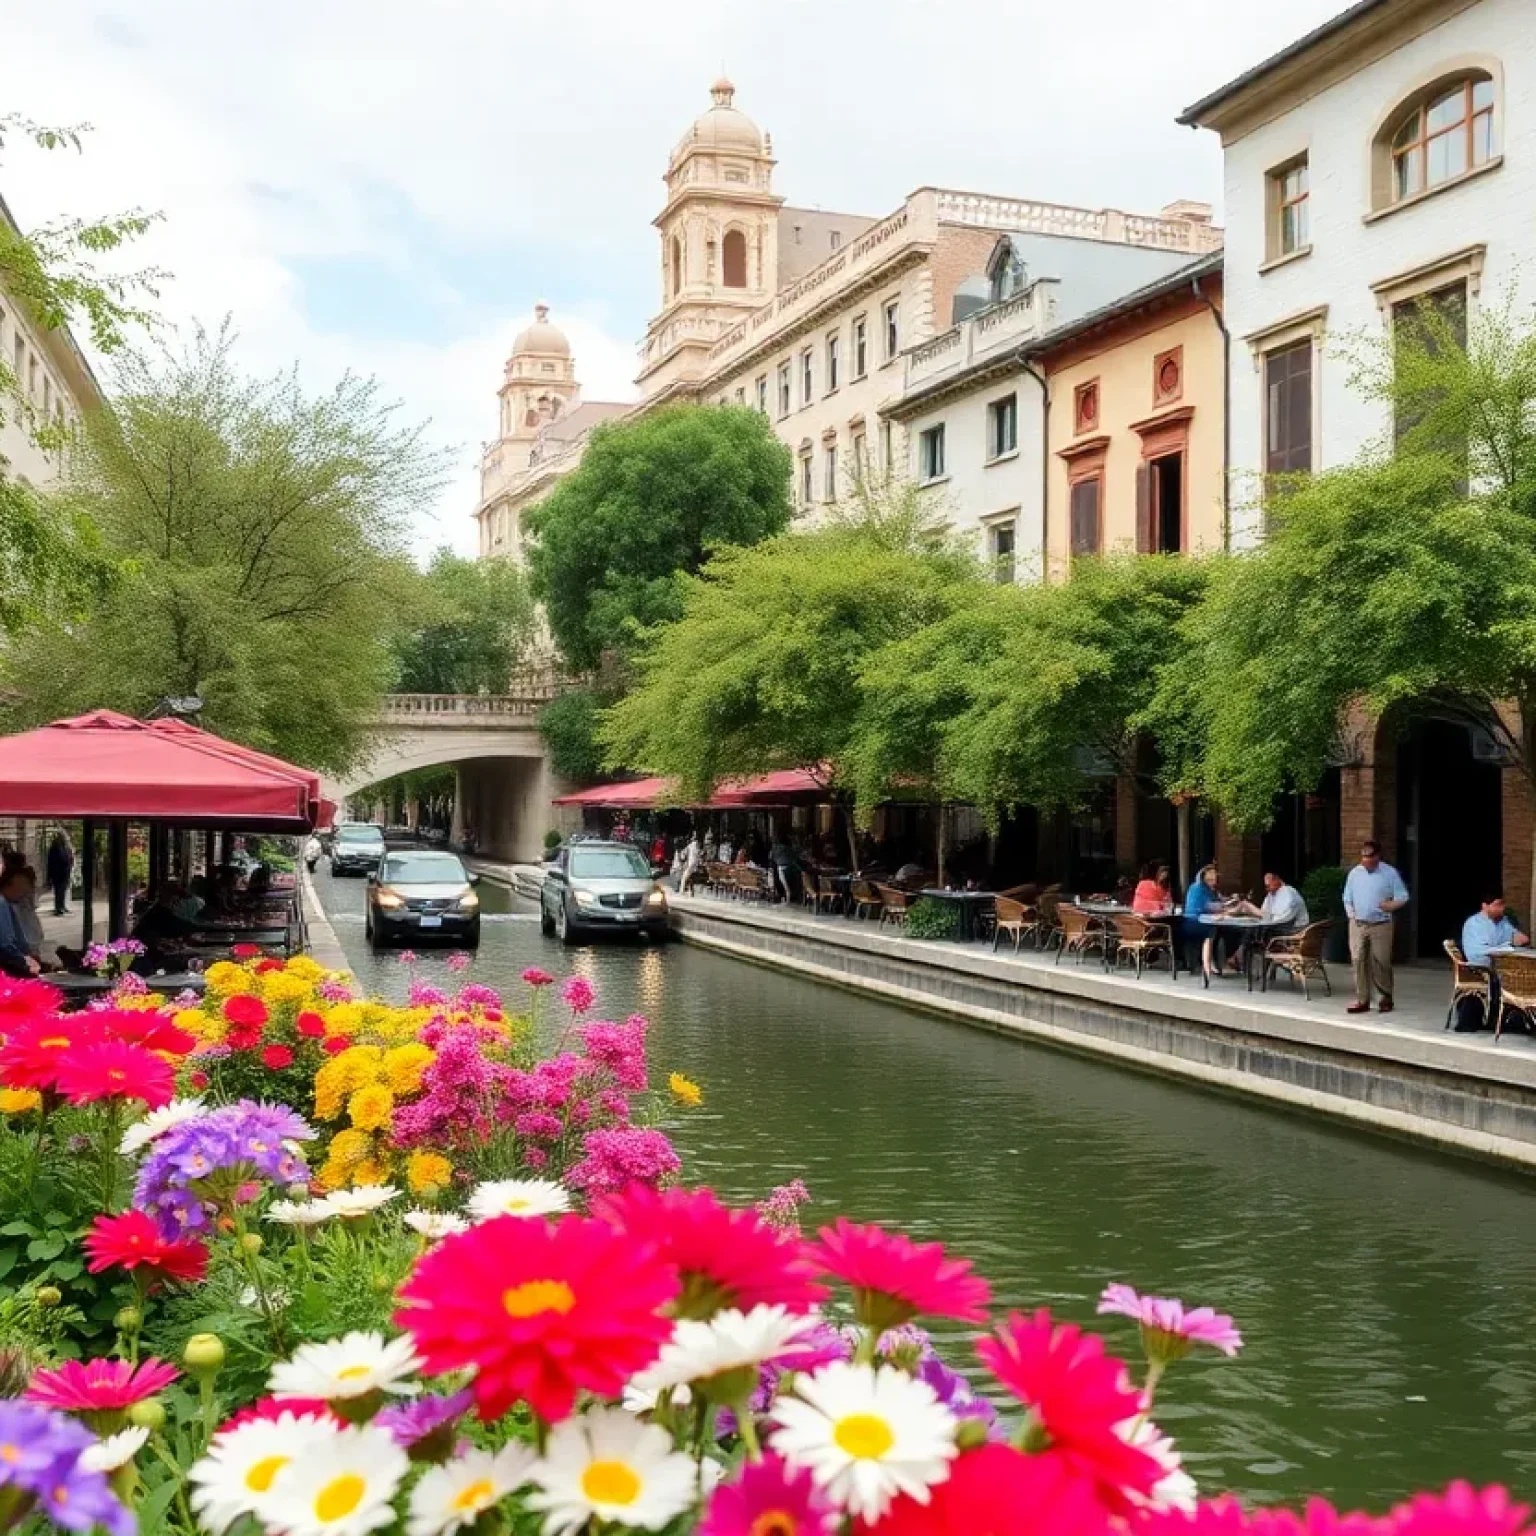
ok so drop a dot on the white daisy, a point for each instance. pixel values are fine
(866, 1435)
(434, 1225)
(453, 1496)
(1175, 1489)
(352, 1366)
(158, 1121)
(342, 1487)
(276, 1297)
(243, 1465)
(362, 1201)
(518, 1197)
(300, 1213)
(730, 1343)
(642, 1399)
(115, 1451)
(610, 1465)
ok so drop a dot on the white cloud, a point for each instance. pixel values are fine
(293, 131)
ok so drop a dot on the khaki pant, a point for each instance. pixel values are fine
(1370, 947)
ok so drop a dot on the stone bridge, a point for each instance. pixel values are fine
(504, 786)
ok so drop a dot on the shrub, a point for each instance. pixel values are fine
(930, 919)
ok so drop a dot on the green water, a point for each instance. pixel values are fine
(1384, 1292)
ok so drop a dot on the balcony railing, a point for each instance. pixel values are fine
(989, 330)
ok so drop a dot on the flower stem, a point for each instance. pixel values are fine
(748, 1429)
(177, 1473)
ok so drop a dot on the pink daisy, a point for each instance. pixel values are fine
(93, 1386)
(113, 1069)
(895, 1280)
(537, 978)
(1461, 1510)
(1168, 1332)
(768, 1499)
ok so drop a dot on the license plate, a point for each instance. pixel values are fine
(431, 922)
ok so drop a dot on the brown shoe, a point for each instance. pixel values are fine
(1358, 1008)
(1385, 1005)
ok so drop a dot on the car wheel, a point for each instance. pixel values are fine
(546, 922)
(368, 926)
(564, 929)
(377, 937)
(472, 937)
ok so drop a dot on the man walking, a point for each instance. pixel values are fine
(1372, 893)
(61, 865)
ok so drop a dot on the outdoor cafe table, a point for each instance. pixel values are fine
(225, 936)
(79, 989)
(1109, 910)
(1255, 933)
(968, 904)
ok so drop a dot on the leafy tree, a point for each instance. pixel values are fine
(263, 531)
(473, 625)
(651, 499)
(569, 725)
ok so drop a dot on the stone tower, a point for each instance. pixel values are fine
(719, 239)
(539, 386)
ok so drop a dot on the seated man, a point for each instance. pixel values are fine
(14, 958)
(1488, 928)
(159, 929)
(1283, 906)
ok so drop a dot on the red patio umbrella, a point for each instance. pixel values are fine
(208, 742)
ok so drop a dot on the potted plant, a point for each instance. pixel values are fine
(1323, 891)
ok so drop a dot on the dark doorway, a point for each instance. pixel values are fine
(1305, 832)
(1168, 504)
(1450, 826)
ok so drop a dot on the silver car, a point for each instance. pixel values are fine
(592, 888)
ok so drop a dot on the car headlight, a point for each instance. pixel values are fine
(469, 901)
(656, 899)
(390, 900)
(584, 898)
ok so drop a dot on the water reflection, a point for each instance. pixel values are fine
(1382, 1289)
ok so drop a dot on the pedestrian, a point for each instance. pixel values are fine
(1372, 893)
(59, 867)
(781, 855)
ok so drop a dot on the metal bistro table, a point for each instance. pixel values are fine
(968, 904)
(1257, 932)
(1113, 909)
(78, 989)
(223, 936)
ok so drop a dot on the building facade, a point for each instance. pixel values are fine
(1385, 160)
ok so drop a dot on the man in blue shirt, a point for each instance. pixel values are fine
(14, 959)
(1489, 929)
(1372, 893)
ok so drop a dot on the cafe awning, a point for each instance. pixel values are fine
(779, 788)
(636, 795)
(233, 750)
(104, 764)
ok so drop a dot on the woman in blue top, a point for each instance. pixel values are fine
(1203, 900)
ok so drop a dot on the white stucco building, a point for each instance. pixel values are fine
(1385, 158)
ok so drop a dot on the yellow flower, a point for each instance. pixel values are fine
(348, 1148)
(371, 1170)
(225, 977)
(19, 1101)
(344, 1019)
(331, 1175)
(685, 1090)
(305, 968)
(369, 1108)
(358, 1066)
(404, 1065)
(427, 1173)
(145, 1002)
(281, 987)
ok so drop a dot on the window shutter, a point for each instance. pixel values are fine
(1085, 517)
(1146, 541)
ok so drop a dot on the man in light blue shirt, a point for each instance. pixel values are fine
(1372, 893)
(1489, 929)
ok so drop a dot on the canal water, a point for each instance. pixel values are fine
(1385, 1293)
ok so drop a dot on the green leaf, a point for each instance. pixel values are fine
(45, 1248)
(18, 1228)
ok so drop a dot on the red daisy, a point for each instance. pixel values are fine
(275, 1407)
(132, 1241)
(1078, 1394)
(24, 997)
(724, 1258)
(31, 1057)
(245, 951)
(1225, 1517)
(895, 1279)
(1001, 1491)
(92, 1385)
(199, 1080)
(244, 1009)
(153, 1031)
(277, 1057)
(310, 1025)
(113, 1069)
(541, 1311)
(337, 1044)
(1461, 1510)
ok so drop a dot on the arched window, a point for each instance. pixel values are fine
(677, 266)
(733, 259)
(1444, 133)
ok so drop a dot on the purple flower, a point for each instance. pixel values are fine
(955, 1392)
(334, 991)
(538, 1125)
(620, 1156)
(186, 999)
(426, 1427)
(1168, 1331)
(782, 1207)
(130, 985)
(42, 1463)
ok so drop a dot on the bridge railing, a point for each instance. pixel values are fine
(446, 708)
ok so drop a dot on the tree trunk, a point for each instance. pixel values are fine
(853, 842)
(1186, 845)
(939, 838)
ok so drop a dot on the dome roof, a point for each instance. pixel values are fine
(723, 127)
(541, 337)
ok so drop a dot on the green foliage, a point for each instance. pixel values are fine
(762, 671)
(472, 622)
(263, 530)
(1323, 891)
(930, 919)
(648, 503)
(569, 726)
(552, 840)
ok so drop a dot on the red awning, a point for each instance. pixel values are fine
(638, 795)
(105, 764)
(235, 752)
(647, 794)
(779, 785)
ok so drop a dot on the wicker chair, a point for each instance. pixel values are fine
(1467, 980)
(1517, 988)
(1300, 956)
(1080, 932)
(1016, 920)
(862, 898)
(1048, 908)
(1139, 938)
(894, 905)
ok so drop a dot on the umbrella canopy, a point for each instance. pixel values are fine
(638, 795)
(647, 794)
(108, 765)
(194, 736)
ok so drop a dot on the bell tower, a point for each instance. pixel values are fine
(538, 387)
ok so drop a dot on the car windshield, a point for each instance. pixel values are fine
(423, 869)
(359, 835)
(608, 864)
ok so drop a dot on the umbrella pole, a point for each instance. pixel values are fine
(117, 878)
(87, 883)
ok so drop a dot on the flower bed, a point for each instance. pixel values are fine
(295, 1262)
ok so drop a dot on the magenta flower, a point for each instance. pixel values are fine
(577, 994)
(1168, 1332)
(97, 1386)
(537, 978)
(617, 1158)
(460, 960)
(1461, 1510)
(768, 1496)
(408, 957)
(476, 995)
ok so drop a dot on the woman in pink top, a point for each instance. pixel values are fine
(1153, 895)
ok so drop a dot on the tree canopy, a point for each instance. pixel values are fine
(471, 626)
(651, 499)
(261, 531)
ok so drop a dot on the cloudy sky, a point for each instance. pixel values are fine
(391, 185)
